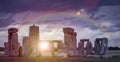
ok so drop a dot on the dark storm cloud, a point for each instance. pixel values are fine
(6, 21)
(109, 2)
(38, 5)
(15, 6)
(41, 5)
(110, 14)
(114, 27)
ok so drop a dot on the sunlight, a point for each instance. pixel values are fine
(78, 13)
(44, 46)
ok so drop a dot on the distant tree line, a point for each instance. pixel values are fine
(2, 48)
(113, 48)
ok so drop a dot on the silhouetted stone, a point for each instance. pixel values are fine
(30, 43)
(20, 52)
(12, 46)
(6, 49)
(80, 48)
(87, 50)
(26, 46)
(104, 46)
(101, 45)
(34, 39)
(97, 46)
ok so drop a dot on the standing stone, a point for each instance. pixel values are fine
(80, 48)
(34, 40)
(97, 46)
(30, 43)
(26, 46)
(70, 40)
(104, 46)
(20, 52)
(12, 46)
(75, 42)
(101, 45)
(6, 49)
(59, 44)
(89, 48)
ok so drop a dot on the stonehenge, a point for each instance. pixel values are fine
(101, 45)
(70, 46)
(70, 40)
(12, 46)
(87, 50)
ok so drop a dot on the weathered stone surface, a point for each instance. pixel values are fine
(80, 48)
(89, 48)
(30, 43)
(97, 46)
(101, 45)
(20, 52)
(84, 40)
(34, 36)
(12, 30)
(70, 40)
(68, 30)
(104, 46)
(26, 46)
(12, 46)
(85, 49)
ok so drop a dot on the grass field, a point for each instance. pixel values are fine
(56, 59)
(113, 52)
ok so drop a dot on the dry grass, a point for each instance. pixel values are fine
(56, 59)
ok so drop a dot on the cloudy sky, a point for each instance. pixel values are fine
(90, 18)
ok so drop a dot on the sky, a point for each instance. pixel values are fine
(89, 18)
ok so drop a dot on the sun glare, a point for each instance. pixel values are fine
(78, 13)
(44, 46)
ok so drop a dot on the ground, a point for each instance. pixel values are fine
(56, 59)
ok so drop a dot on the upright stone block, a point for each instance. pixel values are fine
(80, 48)
(97, 46)
(30, 43)
(6, 49)
(101, 45)
(12, 46)
(89, 48)
(104, 46)
(26, 46)
(70, 40)
(34, 39)
(86, 49)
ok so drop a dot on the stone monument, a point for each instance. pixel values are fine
(12, 46)
(70, 40)
(85, 49)
(30, 43)
(101, 45)
(80, 48)
(89, 48)
(26, 46)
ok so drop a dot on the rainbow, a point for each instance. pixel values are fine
(38, 17)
